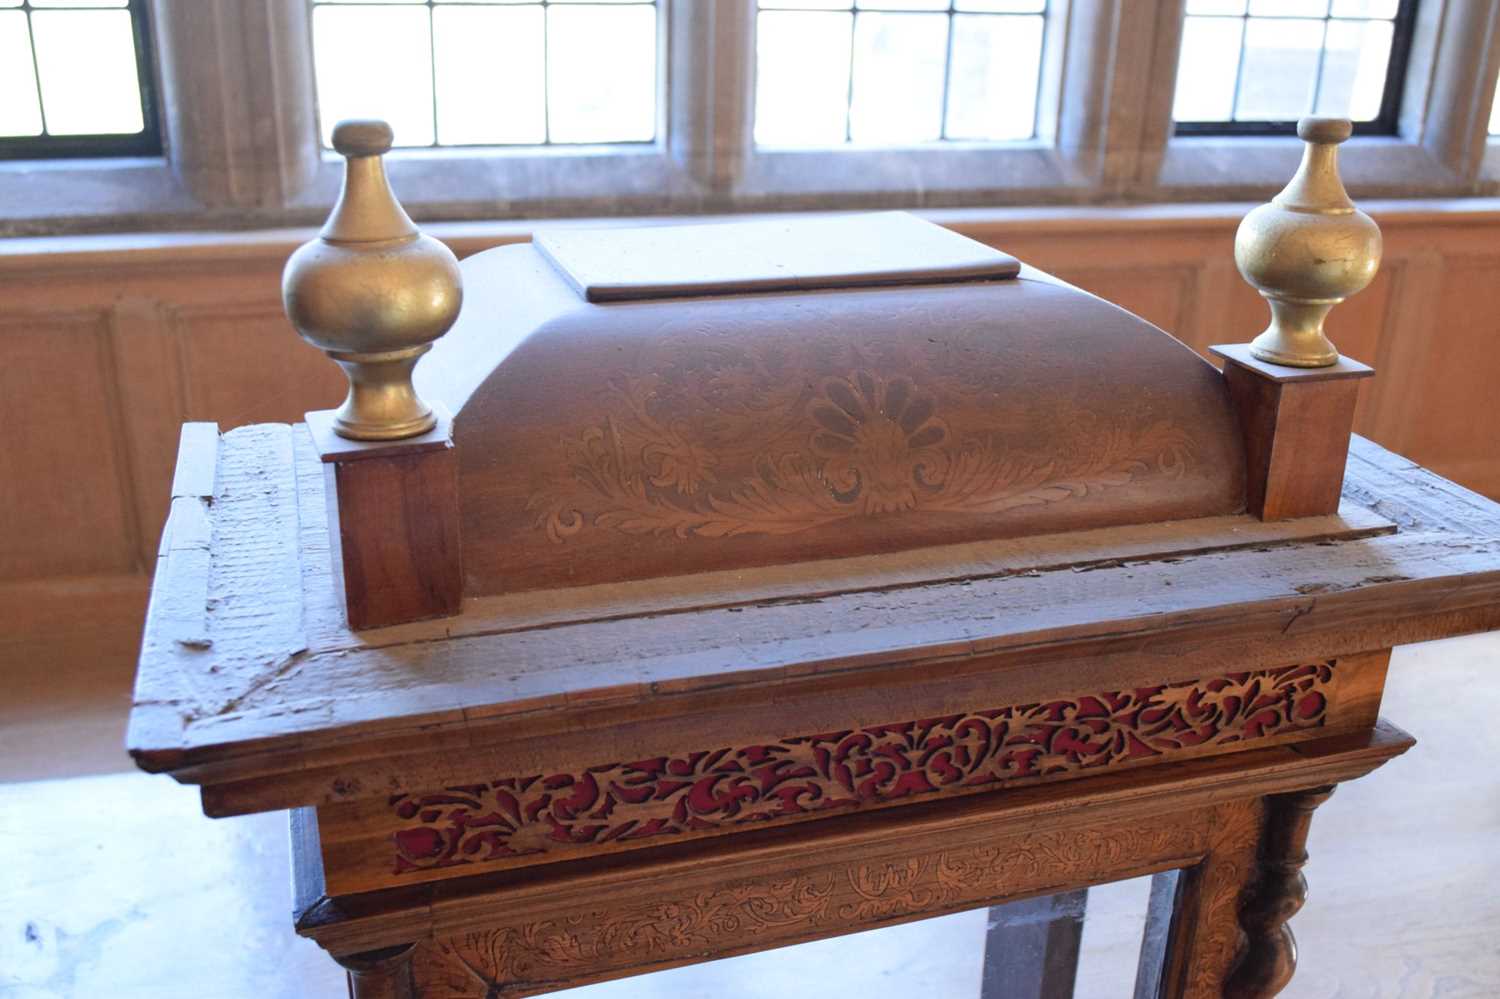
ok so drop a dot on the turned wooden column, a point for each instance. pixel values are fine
(380, 974)
(1270, 954)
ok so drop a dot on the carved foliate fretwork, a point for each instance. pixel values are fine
(510, 819)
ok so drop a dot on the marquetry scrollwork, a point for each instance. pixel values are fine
(794, 778)
(859, 445)
(1218, 939)
(523, 956)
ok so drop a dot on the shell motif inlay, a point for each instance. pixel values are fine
(859, 445)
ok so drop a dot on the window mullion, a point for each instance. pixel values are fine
(1111, 89)
(1455, 108)
(1154, 125)
(711, 73)
(237, 100)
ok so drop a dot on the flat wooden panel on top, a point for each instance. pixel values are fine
(843, 251)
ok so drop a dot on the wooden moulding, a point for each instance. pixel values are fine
(1296, 424)
(517, 934)
(486, 811)
(392, 523)
(607, 682)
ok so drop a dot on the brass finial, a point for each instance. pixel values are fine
(373, 293)
(1307, 251)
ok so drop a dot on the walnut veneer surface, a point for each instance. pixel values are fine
(252, 685)
(733, 430)
(124, 338)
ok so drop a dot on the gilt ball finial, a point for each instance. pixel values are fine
(373, 293)
(1316, 128)
(362, 137)
(1307, 251)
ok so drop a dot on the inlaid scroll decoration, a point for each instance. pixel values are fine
(785, 907)
(858, 446)
(798, 777)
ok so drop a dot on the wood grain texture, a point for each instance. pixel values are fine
(505, 693)
(1270, 956)
(198, 335)
(1204, 938)
(737, 431)
(393, 525)
(1422, 931)
(397, 523)
(666, 928)
(1295, 432)
(593, 807)
(691, 902)
(381, 974)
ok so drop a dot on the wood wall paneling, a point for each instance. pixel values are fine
(147, 357)
(104, 352)
(1161, 295)
(66, 499)
(1456, 419)
(245, 364)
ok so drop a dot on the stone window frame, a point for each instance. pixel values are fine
(242, 148)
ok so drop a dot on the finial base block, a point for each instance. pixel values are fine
(1296, 423)
(393, 522)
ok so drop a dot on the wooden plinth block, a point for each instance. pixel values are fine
(393, 523)
(1296, 424)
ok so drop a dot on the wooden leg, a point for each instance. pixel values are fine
(380, 974)
(1205, 936)
(1271, 951)
(1031, 947)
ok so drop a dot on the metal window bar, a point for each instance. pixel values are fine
(428, 5)
(146, 142)
(1384, 123)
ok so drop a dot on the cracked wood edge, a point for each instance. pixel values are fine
(779, 649)
(203, 637)
(1276, 594)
